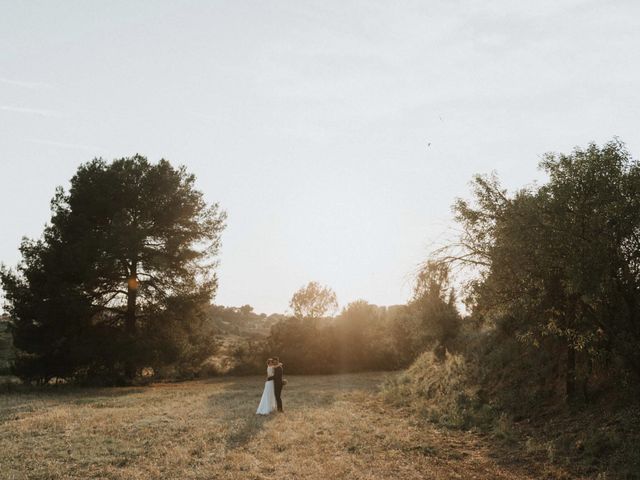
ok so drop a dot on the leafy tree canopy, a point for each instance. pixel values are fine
(560, 261)
(119, 274)
(313, 301)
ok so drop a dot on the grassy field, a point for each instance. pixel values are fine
(333, 427)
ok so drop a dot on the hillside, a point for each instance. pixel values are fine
(596, 439)
(241, 321)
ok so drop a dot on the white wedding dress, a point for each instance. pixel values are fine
(268, 401)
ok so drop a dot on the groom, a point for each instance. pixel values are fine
(277, 382)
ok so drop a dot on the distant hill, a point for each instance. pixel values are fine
(238, 330)
(242, 321)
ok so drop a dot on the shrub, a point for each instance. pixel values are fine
(442, 391)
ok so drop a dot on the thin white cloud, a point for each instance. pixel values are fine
(31, 111)
(74, 146)
(23, 84)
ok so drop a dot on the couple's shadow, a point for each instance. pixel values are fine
(236, 406)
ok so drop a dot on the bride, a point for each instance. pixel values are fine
(268, 401)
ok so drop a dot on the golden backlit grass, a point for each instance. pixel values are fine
(334, 427)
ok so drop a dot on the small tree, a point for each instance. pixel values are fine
(434, 304)
(313, 302)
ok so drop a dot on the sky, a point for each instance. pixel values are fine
(336, 134)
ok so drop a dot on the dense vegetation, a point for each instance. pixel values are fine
(548, 353)
(362, 337)
(558, 268)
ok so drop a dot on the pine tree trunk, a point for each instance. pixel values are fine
(130, 321)
(130, 316)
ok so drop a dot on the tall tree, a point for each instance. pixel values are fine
(125, 263)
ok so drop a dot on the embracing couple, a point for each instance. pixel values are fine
(272, 388)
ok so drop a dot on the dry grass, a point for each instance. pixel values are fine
(334, 427)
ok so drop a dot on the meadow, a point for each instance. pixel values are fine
(334, 426)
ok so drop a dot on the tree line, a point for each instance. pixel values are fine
(123, 277)
(362, 336)
(121, 282)
(549, 277)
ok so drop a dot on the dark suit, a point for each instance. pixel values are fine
(277, 383)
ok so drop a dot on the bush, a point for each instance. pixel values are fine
(441, 391)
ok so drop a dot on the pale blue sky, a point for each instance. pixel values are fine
(309, 121)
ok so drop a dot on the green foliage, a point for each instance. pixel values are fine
(553, 289)
(363, 336)
(313, 302)
(360, 338)
(118, 279)
(560, 261)
(433, 304)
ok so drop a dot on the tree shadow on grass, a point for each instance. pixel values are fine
(30, 399)
(66, 390)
